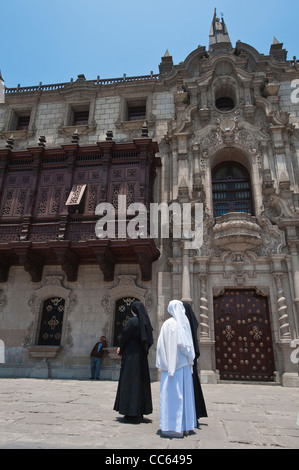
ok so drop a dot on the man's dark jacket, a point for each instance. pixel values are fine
(95, 352)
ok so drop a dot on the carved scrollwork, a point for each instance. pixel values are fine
(277, 209)
(51, 287)
(3, 301)
(273, 238)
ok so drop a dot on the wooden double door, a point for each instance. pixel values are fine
(243, 336)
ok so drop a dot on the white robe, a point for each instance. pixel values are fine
(177, 405)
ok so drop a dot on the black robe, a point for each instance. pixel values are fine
(133, 396)
(200, 405)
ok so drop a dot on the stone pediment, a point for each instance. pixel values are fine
(127, 285)
(224, 64)
(201, 65)
(229, 130)
(81, 84)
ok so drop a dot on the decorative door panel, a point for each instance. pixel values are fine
(51, 322)
(243, 336)
(122, 315)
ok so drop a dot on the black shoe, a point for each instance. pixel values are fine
(91, 378)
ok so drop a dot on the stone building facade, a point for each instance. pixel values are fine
(220, 131)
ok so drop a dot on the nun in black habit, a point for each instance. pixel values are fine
(200, 406)
(133, 397)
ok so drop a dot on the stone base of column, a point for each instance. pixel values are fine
(209, 377)
(290, 379)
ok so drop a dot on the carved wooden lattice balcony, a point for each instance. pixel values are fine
(37, 227)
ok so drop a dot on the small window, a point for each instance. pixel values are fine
(80, 118)
(224, 104)
(136, 113)
(18, 120)
(23, 123)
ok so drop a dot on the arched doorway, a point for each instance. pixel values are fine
(122, 314)
(243, 336)
(231, 189)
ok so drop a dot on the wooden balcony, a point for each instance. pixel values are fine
(37, 228)
(106, 253)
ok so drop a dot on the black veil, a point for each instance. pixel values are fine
(146, 329)
(200, 405)
(193, 325)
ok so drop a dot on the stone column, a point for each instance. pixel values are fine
(183, 168)
(197, 187)
(174, 171)
(279, 153)
(186, 289)
(293, 247)
(181, 98)
(265, 158)
(204, 310)
(283, 317)
(268, 181)
(289, 377)
(196, 166)
(203, 97)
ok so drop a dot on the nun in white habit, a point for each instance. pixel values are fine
(175, 355)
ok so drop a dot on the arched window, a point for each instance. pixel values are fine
(231, 189)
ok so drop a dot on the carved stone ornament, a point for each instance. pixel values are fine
(278, 209)
(229, 130)
(273, 238)
(227, 125)
(51, 286)
(126, 286)
(237, 231)
(3, 301)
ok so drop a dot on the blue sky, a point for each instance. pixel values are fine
(55, 40)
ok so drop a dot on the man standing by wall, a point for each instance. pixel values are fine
(95, 358)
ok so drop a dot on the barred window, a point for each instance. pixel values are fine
(51, 322)
(81, 118)
(231, 189)
(136, 113)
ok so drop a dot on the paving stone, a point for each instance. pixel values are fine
(74, 414)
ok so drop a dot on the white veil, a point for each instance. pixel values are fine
(184, 335)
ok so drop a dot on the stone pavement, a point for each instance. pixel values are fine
(72, 414)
